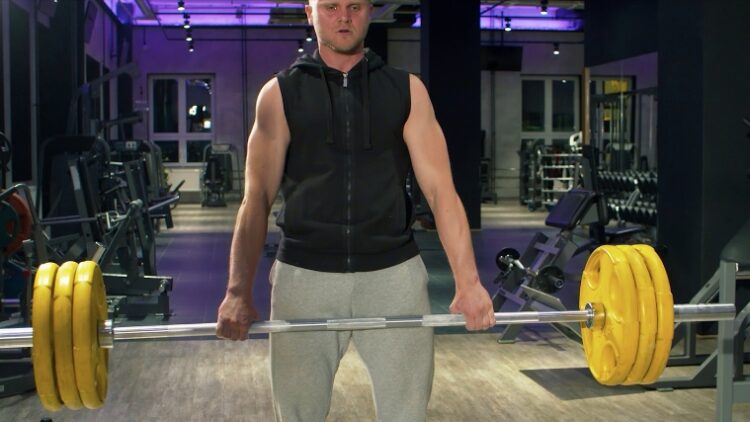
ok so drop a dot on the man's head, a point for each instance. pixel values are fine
(340, 25)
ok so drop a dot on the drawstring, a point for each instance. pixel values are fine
(329, 111)
(366, 104)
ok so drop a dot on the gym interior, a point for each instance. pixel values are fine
(575, 129)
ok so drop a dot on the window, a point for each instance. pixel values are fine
(195, 151)
(550, 108)
(165, 106)
(533, 106)
(182, 116)
(563, 103)
(170, 151)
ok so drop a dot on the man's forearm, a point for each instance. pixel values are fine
(453, 229)
(247, 244)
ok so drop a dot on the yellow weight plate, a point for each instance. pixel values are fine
(646, 315)
(89, 311)
(608, 281)
(664, 313)
(63, 329)
(41, 323)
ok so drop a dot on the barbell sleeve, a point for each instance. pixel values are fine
(12, 338)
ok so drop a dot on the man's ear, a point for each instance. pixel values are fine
(308, 12)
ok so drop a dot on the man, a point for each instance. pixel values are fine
(338, 132)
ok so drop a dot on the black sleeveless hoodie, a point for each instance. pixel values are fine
(345, 208)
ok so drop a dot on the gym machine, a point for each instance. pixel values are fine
(97, 209)
(529, 280)
(16, 224)
(221, 172)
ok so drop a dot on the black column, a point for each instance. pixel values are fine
(703, 150)
(20, 93)
(450, 70)
(377, 40)
(60, 48)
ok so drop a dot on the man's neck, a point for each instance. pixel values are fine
(341, 62)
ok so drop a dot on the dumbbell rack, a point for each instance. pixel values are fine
(560, 172)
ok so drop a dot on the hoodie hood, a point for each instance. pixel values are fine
(370, 62)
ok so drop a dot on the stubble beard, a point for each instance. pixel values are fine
(346, 48)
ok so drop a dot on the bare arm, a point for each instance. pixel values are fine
(266, 150)
(429, 156)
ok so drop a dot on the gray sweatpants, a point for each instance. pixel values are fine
(399, 361)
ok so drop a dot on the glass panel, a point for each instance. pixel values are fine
(198, 101)
(170, 151)
(563, 106)
(165, 106)
(195, 151)
(533, 106)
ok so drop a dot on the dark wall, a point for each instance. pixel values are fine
(58, 69)
(377, 40)
(703, 153)
(450, 69)
(20, 94)
(616, 30)
(2, 82)
(680, 145)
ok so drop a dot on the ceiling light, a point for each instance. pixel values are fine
(556, 50)
(507, 25)
(191, 48)
(189, 36)
(181, 5)
(543, 7)
(301, 47)
(309, 36)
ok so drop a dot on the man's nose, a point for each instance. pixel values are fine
(345, 14)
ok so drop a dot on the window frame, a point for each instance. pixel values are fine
(548, 134)
(182, 136)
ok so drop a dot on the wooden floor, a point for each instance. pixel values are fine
(540, 378)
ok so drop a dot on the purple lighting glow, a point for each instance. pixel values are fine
(525, 18)
(218, 13)
(521, 24)
(258, 17)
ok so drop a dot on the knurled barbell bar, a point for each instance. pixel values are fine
(627, 318)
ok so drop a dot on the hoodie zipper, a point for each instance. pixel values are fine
(350, 165)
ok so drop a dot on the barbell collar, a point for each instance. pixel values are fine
(14, 338)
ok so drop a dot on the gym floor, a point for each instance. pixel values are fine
(540, 376)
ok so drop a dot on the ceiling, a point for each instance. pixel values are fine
(525, 14)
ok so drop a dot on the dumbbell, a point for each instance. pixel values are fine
(506, 258)
(548, 279)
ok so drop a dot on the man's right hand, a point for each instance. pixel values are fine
(236, 313)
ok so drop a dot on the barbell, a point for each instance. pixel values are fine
(626, 313)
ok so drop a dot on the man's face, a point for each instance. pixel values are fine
(340, 25)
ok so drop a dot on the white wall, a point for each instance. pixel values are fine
(219, 53)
